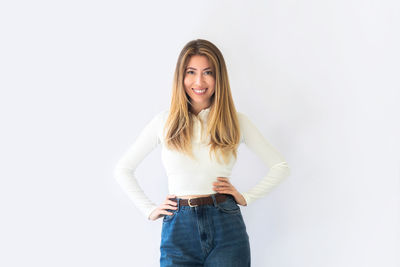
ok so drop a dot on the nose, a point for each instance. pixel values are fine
(199, 80)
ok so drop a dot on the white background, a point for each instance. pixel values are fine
(80, 79)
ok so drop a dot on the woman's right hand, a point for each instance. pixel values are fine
(161, 210)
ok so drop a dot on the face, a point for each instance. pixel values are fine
(199, 81)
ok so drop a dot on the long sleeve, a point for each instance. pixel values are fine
(124, 171)
(278, 167)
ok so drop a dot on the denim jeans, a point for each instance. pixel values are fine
(207, 235)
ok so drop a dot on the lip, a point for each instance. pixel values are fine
(199, 93)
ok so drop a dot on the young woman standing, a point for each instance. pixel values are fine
(199, 134)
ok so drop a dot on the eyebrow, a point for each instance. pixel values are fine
(196, 69)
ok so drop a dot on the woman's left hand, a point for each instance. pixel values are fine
(223, 186)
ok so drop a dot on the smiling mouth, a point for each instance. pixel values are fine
(200, 91)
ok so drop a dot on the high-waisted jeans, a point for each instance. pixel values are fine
(207, 235)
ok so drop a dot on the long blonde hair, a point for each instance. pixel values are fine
(223, 125)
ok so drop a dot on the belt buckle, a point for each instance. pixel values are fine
(191, 204)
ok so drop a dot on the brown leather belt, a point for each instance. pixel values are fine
(198, 201)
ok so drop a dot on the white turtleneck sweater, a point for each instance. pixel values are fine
(195, 177)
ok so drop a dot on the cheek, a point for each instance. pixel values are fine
(212, 87)
(186, 83)
(211, 82)
(188, 80)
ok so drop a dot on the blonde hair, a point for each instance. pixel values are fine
(223, 125)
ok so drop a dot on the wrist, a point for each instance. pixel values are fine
(240, 199)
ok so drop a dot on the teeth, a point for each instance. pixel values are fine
(199, 91)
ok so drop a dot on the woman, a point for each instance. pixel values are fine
(202, 221)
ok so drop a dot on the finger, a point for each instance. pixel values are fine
(223, 185)
(225, 192)
(170, 206)
(170, 202)
(166, 212)
(223, 178)
(219, 190)
(171, 196)
(167, 206)
(224, 181)
(224, 189)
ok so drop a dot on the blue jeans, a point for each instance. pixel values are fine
(207, 235)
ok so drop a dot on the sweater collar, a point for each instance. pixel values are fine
(203, 113)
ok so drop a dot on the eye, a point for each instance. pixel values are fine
(189, 72)
(209, 72)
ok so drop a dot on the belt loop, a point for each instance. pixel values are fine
(178, 204)
(214, 200)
